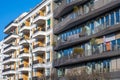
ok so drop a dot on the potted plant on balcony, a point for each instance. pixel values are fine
(76, 11)
(77, 52)
(53, 43)
(93, 44)
(83, 32)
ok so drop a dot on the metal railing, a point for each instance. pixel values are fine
(8, 46)
(37, 45)
(23, 51)
(37, 15)
(84, 34)
(9, 35)
(85, 53)
(8, 69)
(7, 58)
(36, 62)
(22, 25)
(68, 19)
(23, 65)
(43, 29)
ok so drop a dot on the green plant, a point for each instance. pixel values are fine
(53, 43)
(77, 51)
(93, 41)
(76, 8)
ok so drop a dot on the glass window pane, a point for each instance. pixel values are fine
(117, 16)
(112, 18)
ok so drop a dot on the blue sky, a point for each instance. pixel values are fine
(11, 9)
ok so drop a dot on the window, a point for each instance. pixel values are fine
(102, 20)
(93, 66)
(113, 44)
(48, 72)
(112, 18)
(68, 1)
(48, 56)
(86, 8)
(92, 27)
(107, 20)
(117, 14)
(48, 40)
(49, 10)
(118, 43)
(60, 72)
(65, 53)
(48, 23)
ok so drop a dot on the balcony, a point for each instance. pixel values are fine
(25, 28)
(41, 78)
(87, 56)
(8, 72)
(67, 7)
(24, 68)
(39, 19)
(38, 49)
(69, 23)
(24, 41)
(9, 60)
(37, 64)
(24, 54)
(23, 78)
(10, 27)
(10, 37)
(39, 33)
(10, 48)
(106, 75)
(78, 39)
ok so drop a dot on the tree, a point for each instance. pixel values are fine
(82, 74)
(53, 75)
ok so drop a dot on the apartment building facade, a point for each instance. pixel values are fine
(29, 42)
(1, 61)
(87, 36)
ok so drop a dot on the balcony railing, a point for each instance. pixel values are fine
(22, 66)
(23, 78)
(37, 45)
(7, 58)
(48, 43)
(37, 15)
(67, 24)
(74, 39)
(43, 29)
(87, 55)
(96, 75)
(22, 52)
(36, 62)
(8, 69)
(23, 38)
(8, 46)
(9, 35)
(41, 78)
(23, 25)
(66, 5)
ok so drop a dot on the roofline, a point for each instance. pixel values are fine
(26, 14)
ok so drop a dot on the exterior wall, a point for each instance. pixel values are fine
(76, 36)
(27, 28)
(1, 61)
